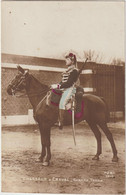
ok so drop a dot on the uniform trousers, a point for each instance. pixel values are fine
(67, 94)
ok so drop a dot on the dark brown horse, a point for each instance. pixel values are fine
(95, 113)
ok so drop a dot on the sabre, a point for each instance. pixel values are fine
(73, 104)
(73, 122)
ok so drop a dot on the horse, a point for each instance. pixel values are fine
(95, 113)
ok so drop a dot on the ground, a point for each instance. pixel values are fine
(71, 170)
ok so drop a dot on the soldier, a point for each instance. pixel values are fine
(69, 77)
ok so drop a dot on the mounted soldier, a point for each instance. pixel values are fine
(96, 112)
(67, 85)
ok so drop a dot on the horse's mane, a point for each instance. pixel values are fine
(39, 84)
(35, 86)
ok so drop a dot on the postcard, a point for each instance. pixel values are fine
(62, 97)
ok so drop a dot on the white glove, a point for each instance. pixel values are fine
(54, 86)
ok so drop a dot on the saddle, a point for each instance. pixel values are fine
(56, 94)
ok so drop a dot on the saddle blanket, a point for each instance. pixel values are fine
(79, 103)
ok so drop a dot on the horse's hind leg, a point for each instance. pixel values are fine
(111, 140)
(97, 134)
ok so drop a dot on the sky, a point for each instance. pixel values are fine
(53, 28)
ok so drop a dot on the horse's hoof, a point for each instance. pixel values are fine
(95, 158)
(39, 160)
(45, 164)
(115, 159)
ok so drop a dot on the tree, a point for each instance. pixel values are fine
(93, 56)
(117, 62)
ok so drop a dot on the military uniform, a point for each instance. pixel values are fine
(69, 77)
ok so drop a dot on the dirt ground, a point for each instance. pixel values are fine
(71, 170)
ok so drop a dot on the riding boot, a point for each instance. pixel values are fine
(61, 117)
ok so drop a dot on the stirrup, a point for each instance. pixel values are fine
(61, 127)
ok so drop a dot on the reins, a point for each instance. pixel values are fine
(31, 94)
(43, 99)
(37, 94)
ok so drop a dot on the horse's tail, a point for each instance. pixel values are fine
(107, 110)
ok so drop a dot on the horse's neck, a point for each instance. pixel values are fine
(35, 91)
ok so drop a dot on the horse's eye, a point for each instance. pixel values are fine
(18, 76)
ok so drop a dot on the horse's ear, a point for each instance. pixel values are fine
(26, 72)
(20, 69)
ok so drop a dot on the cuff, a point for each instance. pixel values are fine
(58, 86)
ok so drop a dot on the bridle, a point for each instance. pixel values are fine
(16, 85)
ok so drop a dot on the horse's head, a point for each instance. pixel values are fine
(18, 84)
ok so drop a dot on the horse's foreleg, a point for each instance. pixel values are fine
(45, 141)
(43, 153)
(46, 153)
(47, 158)
(97, 134)
(111, 140)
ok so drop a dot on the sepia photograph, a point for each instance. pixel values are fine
(63, 97)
